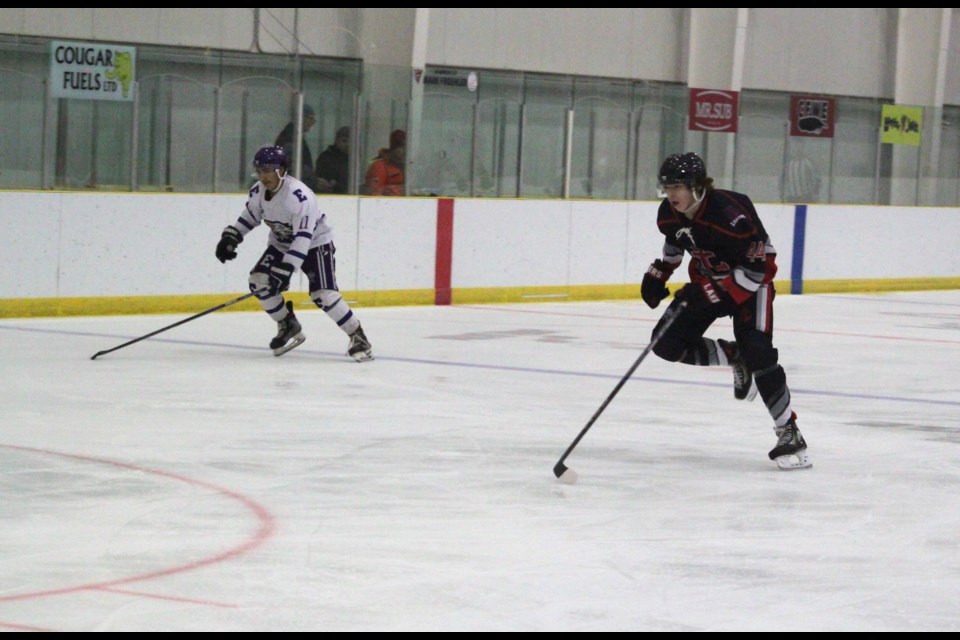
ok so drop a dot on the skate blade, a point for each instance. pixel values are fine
(789, 462)
(295, 342)
(361, 356)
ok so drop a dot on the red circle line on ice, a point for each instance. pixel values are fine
(265, 529)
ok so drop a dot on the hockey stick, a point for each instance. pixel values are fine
(177, 324)
(569, 476)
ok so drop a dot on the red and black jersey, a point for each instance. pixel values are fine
(726, 242)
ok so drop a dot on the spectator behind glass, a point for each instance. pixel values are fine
(285, 140)
(385, 174)
(333, 169)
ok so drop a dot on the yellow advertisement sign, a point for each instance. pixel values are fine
(901, 125)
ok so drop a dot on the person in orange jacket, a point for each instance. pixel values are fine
(385, 174)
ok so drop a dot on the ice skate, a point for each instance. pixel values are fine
(360, 349)
(791, 449)
(289, 333)
(744, 387)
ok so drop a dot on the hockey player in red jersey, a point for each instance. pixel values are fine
(732, 265)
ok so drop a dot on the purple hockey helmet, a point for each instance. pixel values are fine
(270, 157)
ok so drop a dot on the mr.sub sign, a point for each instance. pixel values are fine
(92, 71)
(714, 110)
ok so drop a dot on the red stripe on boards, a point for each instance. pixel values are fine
(442, 294)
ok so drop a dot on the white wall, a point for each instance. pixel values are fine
(67, 245)
(396, 243)
(191, 27)
(881, 242)
(952, 88)
(627, 43)
(833, 50)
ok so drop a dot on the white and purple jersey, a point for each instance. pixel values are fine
(296, 224)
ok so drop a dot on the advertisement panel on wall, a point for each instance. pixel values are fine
(92, 71)
(901, 125)
(714, 110)
(812, 116)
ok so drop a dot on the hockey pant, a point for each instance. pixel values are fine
(320, 267)
(753, 330)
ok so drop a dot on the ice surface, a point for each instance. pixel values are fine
(195, 482)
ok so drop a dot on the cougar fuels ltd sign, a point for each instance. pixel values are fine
(92, 71)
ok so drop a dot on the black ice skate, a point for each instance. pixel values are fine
(360, 348)
(791, 449)
(289, 333)
(743, 385)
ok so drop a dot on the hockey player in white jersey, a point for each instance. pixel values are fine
(300, 238)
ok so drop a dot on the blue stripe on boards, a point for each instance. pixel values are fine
(799, 237)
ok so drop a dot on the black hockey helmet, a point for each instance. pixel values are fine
(683, 168)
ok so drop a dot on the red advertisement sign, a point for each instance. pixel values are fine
(812, 116)
(714, 110)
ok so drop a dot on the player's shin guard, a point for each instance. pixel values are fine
(336, 308)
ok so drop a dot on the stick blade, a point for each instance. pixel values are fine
(564, 474)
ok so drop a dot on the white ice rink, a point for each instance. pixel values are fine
(194, 482)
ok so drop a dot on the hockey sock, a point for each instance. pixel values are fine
(772, 385)
(707, 353)
(333, 304)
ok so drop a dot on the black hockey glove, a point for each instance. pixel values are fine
(280, 274)
(227, 247)
(653, 289)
